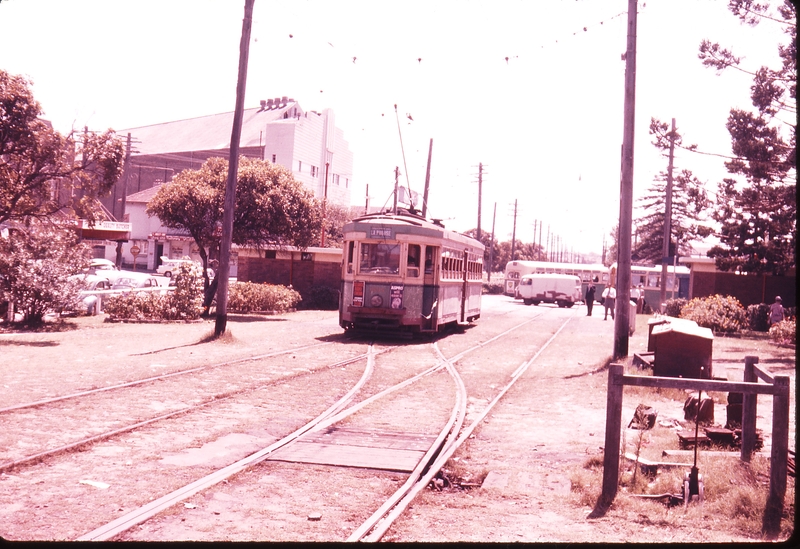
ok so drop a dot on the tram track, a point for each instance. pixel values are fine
(446, 443)
(332, 416)
(216, 399)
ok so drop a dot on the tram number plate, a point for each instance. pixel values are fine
(396, 296)
(358, 293)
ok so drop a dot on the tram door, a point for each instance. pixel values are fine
(430, 310)
(464, 276)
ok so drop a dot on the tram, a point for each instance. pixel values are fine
(650, 280)
(595, 273)
(404, 273)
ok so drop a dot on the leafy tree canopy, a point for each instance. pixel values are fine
(272, 208)
(38, 264)
(758, 217)
(43, 172)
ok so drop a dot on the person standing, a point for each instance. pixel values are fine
(590, 290)
(609, 299)
(776, 311)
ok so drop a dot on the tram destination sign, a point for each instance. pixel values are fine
(380, 232)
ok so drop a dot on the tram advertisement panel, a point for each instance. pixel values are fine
(358, 293)
(396, 296)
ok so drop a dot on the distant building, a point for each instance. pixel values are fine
(308, 143)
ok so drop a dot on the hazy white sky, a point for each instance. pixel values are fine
(546, 122)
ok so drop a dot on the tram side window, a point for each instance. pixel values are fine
(413, 260)
(380, 258)
(653, 281)
(350, 253)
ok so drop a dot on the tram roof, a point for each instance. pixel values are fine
(406, 223)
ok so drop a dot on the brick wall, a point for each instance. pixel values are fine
(302, 275)
(748, 289)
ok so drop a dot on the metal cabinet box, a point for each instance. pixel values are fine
(682, 349)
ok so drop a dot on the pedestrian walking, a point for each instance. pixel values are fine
(609, 298)
(776, 311)
(590, 291)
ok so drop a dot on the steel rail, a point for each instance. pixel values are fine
(108, 434)
(155, 378)
(137, 516)
(453, 425)
(388, 519)
(333, 415)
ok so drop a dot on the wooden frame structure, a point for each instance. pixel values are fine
(777, 386)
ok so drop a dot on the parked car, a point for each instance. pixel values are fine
(104, 268)
(169, 266)
(134, 283)
(94, 283)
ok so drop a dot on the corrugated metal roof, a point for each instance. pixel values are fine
(205, 133)
(143, 196)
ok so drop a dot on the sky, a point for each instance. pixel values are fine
(532, 90)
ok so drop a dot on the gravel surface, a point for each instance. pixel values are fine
(517, 471)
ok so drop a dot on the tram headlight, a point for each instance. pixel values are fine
(376, 301)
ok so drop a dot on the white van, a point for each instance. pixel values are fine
(563, 290)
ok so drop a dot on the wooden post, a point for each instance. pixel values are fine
(613, 428)
(771, 525)
(749, 405)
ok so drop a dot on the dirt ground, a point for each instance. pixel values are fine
(523, 458)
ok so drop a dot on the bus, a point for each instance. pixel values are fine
(649, 277)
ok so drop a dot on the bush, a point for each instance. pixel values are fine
(493, 288)
(246, 297)
(720, 313)
(784, 331)
(183, 303)
(758, 317)
(38, 264)
(323, 298)
(675, 306)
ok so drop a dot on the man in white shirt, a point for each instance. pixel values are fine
(609, 299)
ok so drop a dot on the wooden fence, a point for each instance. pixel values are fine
(777, 386)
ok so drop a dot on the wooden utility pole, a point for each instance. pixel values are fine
(540, 236)
(324, 207)
(623, 283)
(491, 244)
(533, 247)
(480, 194)
(514, 232)
(233, 171)
(427, 181)
(667, 218)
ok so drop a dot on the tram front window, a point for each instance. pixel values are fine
(380, 258)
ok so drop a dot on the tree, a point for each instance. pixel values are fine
(272, 208)
(38, 262)
(43, 172)
(689, 206)
(758, 217)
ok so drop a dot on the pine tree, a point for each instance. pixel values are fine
(689, 206)
(758, 216)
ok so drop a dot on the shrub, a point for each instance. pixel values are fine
(720, 313)
(758, 317)
(245, 297)
(323, 298)
(784, 332)
(493, 288)
(183, 303)
(674, 307)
